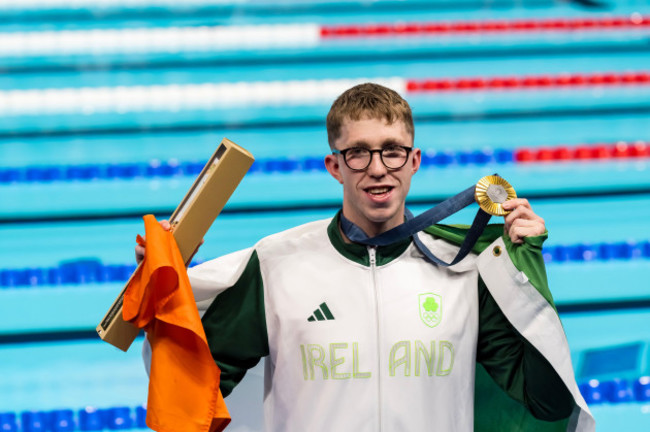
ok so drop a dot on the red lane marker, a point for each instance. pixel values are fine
(562, 153)
(494, 26)
(529, 82)
(540, 81)
(544, 155)
(634, 21)
(470, 84)
(640, 149)
(584, 152)
(603, 152)
(524, 155)
(621, 150)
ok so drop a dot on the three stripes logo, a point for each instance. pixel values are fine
(323, 313)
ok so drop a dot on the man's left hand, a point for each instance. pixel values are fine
(522, 221)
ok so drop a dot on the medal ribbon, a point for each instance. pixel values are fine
(413, 225)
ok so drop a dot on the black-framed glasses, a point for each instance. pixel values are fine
(358, 158)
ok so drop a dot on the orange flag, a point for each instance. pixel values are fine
(184, 390)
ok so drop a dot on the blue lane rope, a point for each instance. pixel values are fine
(616, 391)
(87, 270)
(596, 392)
(68, 420)
(158, 169)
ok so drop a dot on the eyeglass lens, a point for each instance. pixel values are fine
(359, 157)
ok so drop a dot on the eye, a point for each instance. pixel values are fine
(356, 152)
(393, 151)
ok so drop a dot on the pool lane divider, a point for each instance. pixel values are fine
(596, 392)
(621, 151)
(173, 39)
(228, 95)
(517, 26)
(547, 81)
(87, 271)
(68, 420)
(616, 391)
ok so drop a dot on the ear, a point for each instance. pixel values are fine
(332, 165)
(416, 159)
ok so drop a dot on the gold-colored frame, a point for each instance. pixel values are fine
(191, 220)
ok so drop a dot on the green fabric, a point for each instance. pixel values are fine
(359, 253)
(515, 366)
(495, 411)
(511, 374)
(527, 257)
(456, 234)
(235, 326)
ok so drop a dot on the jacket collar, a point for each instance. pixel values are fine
(359, 253)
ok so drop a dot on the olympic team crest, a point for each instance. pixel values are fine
(430, 309)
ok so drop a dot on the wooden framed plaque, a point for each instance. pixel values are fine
(189, 223)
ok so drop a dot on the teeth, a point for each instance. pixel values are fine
(377, 191)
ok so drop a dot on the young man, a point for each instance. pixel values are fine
(360, 338)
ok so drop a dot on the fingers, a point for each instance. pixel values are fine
(514, 203)
(522, 220)
(139, 253)
(521, 228)
(521, 211)
(140, 249)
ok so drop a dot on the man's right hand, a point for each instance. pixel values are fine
(140, 250)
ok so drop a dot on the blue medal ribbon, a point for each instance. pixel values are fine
(413, 225)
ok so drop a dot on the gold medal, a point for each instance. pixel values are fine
(492, 191)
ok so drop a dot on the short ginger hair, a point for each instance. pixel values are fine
(368, 100)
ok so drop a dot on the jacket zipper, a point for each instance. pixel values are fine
(372, 256)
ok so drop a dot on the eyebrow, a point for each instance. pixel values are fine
(385, 143)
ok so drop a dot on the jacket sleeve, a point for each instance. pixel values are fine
(514, 364)
(234, 321)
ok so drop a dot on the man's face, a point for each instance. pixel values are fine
(374, 199)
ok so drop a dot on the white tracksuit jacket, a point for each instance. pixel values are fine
(378, 339)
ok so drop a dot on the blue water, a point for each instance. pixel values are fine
(47, 223)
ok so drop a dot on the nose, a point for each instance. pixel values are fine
(376, 167)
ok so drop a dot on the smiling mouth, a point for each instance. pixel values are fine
(378, 190)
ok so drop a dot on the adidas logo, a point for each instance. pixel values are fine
(323, 313)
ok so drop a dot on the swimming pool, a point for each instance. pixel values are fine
(92, 137)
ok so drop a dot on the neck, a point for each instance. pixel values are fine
(371, 229)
